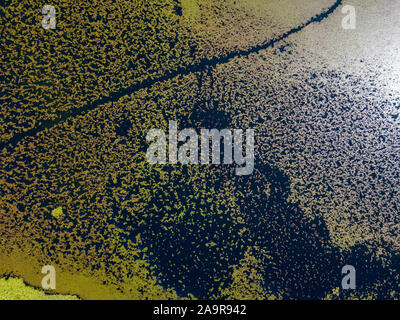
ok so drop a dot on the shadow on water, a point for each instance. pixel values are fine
(192, 253)
(302, 263)
(191, 242)
(305, 264)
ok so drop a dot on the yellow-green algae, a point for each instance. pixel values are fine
(57, 212)
(248, 278)
(16, 289)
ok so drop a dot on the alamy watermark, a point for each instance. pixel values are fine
(49, 280)
(49, 20)
(349, 280)
(349, 20)
(188, 152)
